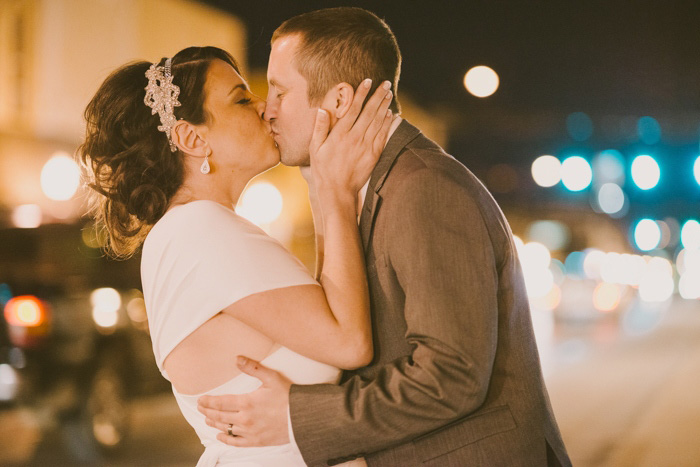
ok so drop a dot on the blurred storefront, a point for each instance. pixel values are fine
(53, 56)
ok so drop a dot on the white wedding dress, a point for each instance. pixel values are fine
(197, 259)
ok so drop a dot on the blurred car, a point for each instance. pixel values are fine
(74, 343)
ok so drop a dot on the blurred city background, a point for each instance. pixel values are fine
(581, 118)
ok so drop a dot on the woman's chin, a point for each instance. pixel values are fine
(276, 155)
(274, 161)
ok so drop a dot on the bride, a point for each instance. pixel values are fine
(168, 150)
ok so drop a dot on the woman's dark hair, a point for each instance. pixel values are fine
(127, 161)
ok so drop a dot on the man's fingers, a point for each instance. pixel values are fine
(321, 128)
(256, 370)
(227, 403)
(240, 441)
(215, 418)
(223, 427)
(345, 123)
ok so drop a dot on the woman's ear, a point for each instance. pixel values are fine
(189, 138)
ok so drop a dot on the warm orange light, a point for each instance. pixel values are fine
(25, 311)
(606, 297)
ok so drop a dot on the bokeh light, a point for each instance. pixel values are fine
(688, 261)
(690, 234)
(665, 234)
(24, 311)
(9, 382)
(536, 255)
(622, 268)
(576, 173)
(60, 177)
(606, 297)
(648, 130)
(261, 203)
(647, 234)
(481, 81)
(611, 198)
(645, 172)
(579, 126)
(27, 216)
(574, 264)
(535, 259)
(548, 302)
(546, 171)
(593, 262)
(105, 302)
(609, 166)
(93, 236)
(558, 271)
(689, 286)
(552, 234)
(519, 244)
(656, 284)
(696, 170)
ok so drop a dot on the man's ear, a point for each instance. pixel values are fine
(189, 138)
(337, 101)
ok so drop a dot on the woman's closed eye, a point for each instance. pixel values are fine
(244, 101)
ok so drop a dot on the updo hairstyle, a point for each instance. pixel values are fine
(127, 161)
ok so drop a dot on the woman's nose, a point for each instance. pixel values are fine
(260, 106)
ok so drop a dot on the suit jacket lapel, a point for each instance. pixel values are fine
(404, 134)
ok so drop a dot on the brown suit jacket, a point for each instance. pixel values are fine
(456, 377)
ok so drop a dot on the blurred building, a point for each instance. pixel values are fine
(54, 54)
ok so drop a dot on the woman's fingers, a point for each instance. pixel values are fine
(320, 133)
(345, 123)
(378, 119)
(372, 109)
(383, 133)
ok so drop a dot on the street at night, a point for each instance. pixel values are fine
(581, 120)
(621, 400)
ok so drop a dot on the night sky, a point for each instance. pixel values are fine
(614, 60)
(612, 56)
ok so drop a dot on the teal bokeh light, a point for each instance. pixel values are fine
(649, 130)
(645, 172)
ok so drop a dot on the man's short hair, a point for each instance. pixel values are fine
(343, 45)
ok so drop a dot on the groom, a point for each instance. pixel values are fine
(456, 378)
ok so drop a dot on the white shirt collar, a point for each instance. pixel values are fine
(363, 191)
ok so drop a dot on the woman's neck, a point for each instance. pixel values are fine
(212, 187)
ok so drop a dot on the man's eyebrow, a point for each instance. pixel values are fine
(241, 86)
(274, 83)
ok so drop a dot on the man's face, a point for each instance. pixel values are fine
(288, 110)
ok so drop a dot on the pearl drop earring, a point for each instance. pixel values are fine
(205, 168)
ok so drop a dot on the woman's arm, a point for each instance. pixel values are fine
(331, 325)
(317, 219)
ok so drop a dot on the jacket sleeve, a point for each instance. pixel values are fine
(441, 252)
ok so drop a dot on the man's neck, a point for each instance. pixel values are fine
(306, 169)
(313, 199)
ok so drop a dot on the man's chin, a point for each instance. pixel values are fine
(295, 161)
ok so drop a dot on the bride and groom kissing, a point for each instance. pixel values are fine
(423, 306)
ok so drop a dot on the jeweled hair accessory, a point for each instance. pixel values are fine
(161, 97)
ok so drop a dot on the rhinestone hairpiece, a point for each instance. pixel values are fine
(161, 97)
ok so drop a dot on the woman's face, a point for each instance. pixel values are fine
(240, 140)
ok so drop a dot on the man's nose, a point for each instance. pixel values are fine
(268, 112)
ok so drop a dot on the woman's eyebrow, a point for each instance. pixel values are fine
(241, 86)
